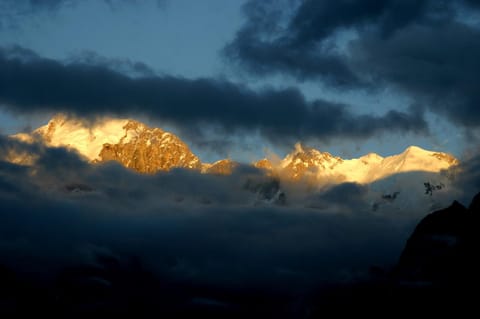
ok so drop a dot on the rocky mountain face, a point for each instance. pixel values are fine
(149, 150)
(221, 167)
(305, 160)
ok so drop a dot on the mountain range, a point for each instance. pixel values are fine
(148, 150)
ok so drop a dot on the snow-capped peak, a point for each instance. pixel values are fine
(130, 142)
(88, 139)
(306, 162)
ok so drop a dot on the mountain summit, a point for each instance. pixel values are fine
(132, 143)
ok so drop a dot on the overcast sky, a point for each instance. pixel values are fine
(235, 78)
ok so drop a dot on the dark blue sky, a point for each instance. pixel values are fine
(348, 78)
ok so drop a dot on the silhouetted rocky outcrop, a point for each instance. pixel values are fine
(437, 273)
(444, 248)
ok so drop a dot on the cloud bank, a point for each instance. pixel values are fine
(193, 238)
(32, 84)
(220, 210)
(425, 49)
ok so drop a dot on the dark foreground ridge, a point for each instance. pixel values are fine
(437, 273)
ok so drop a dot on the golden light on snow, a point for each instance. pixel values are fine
(148, 150)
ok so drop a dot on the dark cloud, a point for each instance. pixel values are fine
(426, 49)
(348, 195)
(278, 58)
(264, 46)
(33, 84)
(434, 65)
(125, 66)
